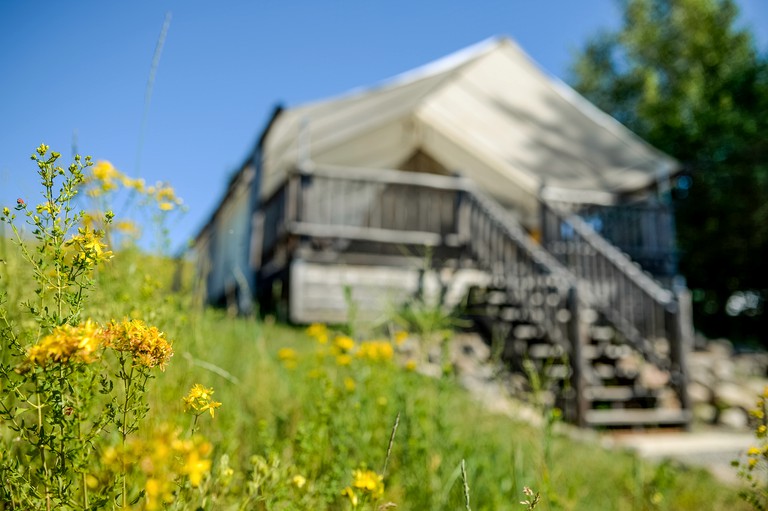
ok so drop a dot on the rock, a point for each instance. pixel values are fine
(652, 377)
(728, 395)
(734, 417)
(668, 400)
(751, 364)
(699, 393)
(720, 348)
(629, 365)
(705, 413)
(724, 369)
(471, 346)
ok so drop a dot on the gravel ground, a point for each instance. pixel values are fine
(712, 450)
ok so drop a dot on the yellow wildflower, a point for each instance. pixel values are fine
(163, 459)
(195, 466)
(288, 357)
(319, 332)
(350, 493)
(343, 359)
(49, 208)
(299, 481)
(349, 384)
(400, 337)
(369, 482)
(89, 247)
(146, 344)
(128, 227)
(753, 451)
(410, 365)
(136, 184)
(165, 196)
(376, 351)
(343, 343)
(104, 171)
(199, 400)
(67, 343)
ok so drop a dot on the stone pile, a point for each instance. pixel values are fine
(724, 385)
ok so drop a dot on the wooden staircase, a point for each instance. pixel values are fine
(604, 337)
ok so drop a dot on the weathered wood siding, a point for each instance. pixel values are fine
(317, 289)
(230, 235)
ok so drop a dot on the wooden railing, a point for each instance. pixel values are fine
(644, 231)
(377, 205)
(651, 317)
(532, 277)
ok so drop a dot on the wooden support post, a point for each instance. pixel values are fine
(577, 337)
(679, 323)
(463, 212)
(292, 197)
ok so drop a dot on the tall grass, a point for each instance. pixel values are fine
(306, 421)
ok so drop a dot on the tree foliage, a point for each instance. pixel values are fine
(684, 76)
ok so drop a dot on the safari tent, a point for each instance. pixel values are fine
(479, 179)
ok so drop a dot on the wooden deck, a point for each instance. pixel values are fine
(372, 230)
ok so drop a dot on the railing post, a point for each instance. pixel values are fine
(462, 217)
(679, 323)
(577, 337)
(293, 198)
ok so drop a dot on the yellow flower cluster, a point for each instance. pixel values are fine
(199, 400)
(163, 460)
(88, 246)
(343, 343)
(49, 209)
(106, 178)
(369, 482)
(344, 348)
(67, 343)
(288, 357)
(376, 351)
(400, 337)
(319, 332)
(165, 196)
(756, 454)
(365, 482)
(128, 228)
(146, 344)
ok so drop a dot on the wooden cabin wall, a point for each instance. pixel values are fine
(317, 289)
(229, 250)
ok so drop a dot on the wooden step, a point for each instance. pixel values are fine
(642, 417)
(609, 393)
(543, 351)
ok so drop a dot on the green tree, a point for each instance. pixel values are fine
(682, 75)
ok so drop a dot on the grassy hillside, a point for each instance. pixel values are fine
(249, 414)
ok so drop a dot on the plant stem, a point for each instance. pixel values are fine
(466, 484)
(124, 430)
(41, 450)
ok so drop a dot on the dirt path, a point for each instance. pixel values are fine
(712, 450)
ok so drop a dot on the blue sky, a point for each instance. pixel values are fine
(82, 67)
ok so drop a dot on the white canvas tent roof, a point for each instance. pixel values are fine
(487, 112)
